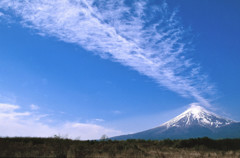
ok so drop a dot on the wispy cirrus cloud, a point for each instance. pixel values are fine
(144, 37)
(14, 122)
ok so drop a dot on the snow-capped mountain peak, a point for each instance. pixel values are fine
(195, 122)
(197, 115)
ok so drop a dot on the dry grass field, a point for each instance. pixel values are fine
(66, 148)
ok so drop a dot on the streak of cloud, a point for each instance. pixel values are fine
(144, 37)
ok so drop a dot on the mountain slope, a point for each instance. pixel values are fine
(194, 122)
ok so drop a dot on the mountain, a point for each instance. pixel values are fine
(192, 123)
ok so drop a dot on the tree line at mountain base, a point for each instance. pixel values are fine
(67, 148)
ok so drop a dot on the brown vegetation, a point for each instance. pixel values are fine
(66, 148)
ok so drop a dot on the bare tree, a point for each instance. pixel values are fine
(104, 137)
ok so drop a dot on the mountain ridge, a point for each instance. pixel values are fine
(195, 122)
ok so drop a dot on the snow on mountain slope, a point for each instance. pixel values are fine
(193, 123)
(197, 115)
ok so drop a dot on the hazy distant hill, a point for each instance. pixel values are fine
(194, 122)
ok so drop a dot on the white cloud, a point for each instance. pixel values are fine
(1, 14)
(152, 43)
(14, 123)
(8, 107)
(99, 120)
(9, 111)
(34, 107)
(86, 131)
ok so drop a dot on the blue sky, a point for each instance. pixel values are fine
(87, 68)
